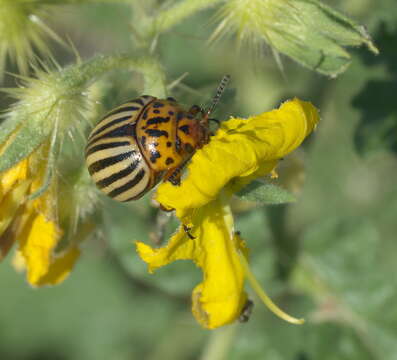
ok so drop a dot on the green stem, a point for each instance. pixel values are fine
(154, 78)
(219, 343)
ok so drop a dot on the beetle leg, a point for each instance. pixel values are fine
(218, 123)
(187, 231)
(174, 175)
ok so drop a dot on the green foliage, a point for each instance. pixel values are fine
(308, 31)
(327, 255)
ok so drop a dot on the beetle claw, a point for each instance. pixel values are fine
(187, 231)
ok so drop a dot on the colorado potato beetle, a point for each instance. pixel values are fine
(145, 140)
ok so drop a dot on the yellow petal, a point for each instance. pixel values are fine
(60, 268)
(39, 233)
(10, 177)
(241, 150)
(11, 203)
(38, 241)
(14, 186)
(219, 299)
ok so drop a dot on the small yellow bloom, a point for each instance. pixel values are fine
(33, 223)
(241, 150)
(47, 218)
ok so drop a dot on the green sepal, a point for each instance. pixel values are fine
(7, 126)
(49, 171)
(23, 143)
(266, 194)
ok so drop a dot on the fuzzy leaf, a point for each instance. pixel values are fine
(318, 38)
(308, 31)
(266, 193)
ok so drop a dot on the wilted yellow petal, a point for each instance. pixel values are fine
(241, 150)
(10, 177)
(38, 241)
(219, 299)
(60, 268)
(14, 186)
(11, 203)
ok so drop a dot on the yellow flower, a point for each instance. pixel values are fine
(47, 218)
(33, 223)
(241, 150)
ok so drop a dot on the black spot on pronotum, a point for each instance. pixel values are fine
(157, 104)
(171, 113)
(169, 143)
(156, 111)
(156, 133)
(154, 155)
(184, 128)
(169, 161)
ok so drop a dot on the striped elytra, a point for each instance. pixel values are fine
(144, 141)
(113, 156)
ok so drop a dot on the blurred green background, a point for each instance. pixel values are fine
(330, 257)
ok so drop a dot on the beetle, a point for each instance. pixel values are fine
(144, 141)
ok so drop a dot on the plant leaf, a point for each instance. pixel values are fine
(266, 194)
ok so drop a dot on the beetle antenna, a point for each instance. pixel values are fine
(219, 92)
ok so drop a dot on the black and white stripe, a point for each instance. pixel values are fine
(113, 157)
